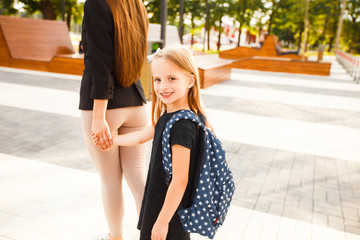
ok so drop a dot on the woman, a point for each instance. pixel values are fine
(112, 99)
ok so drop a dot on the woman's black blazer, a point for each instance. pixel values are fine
(98, 81)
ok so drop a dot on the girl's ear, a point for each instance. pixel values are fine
(191, 82)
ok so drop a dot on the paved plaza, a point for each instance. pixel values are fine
(292, 142)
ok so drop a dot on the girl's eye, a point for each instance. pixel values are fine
(172, 78)
(157, 80)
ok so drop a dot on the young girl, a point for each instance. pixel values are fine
(175, 87)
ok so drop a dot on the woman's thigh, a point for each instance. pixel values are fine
(106, 162)
(130, 159)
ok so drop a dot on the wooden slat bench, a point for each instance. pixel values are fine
(69, 64)
(42, 45)
(213, 69)
(268, 49)
(287, 65)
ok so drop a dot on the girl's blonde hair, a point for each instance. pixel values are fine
(184, 59)
(130, 39)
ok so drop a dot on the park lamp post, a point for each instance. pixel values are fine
(163, 18)
(181, 20)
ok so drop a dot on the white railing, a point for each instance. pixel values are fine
(350, 63)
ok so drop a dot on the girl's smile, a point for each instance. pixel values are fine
(166, 94)
(171, 84)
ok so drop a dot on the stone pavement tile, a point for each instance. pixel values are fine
(292, 201)
(326, 208)
(351, 229)
(269, 233)
(350, 92)
(252, 232)
(287, 226)
(336, 222)
(320, 219)
(34, 142)
(44, 79)
(351, 213)
(298, 214)
(350, 236)
(262, 205)
(321, 233)
(232, 147)
(303, 230)
(276, 208)
(306, 203)
(352, 226)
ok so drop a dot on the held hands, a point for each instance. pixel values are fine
(159, 231)
(100, 134)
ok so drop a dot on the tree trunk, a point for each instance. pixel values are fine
(271, 16)
(207, 27)
(270, 22)
(238, 43)
(322, 38)
(300, 37)
(332, 38)
(208, 37)
(219, 37)
(331, 42)
(338, 33)
(306, 28)
(192, 30)
(68, 17)
(47, 10)
(307, 38)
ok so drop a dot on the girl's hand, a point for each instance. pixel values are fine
(100, 134)
(94, 138)
(159, 231)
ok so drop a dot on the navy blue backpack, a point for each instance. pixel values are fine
(213, 183)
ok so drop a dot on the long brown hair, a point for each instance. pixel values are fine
(130, 39)
(184, 59)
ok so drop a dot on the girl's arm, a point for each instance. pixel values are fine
(134, 138)
(99, 127)
(175, 192)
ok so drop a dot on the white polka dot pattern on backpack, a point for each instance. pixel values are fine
(215, 186)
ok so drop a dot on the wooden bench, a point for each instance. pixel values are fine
(34, 44)
(287, 65)
(212, 69)
(268, 49)
(267, 59)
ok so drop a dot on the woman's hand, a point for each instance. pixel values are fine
(100, 134)
(159, 231)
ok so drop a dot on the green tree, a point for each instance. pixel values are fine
(244, 10)
(219, 12)
(323, 17)
(350, 35)
(272, 11)
(194, 8)
(288, 21)
(154, 10)
(50, 9)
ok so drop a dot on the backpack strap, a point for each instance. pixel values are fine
(166, 151)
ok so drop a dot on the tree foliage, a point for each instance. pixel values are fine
(285, 18)
(49, 9)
